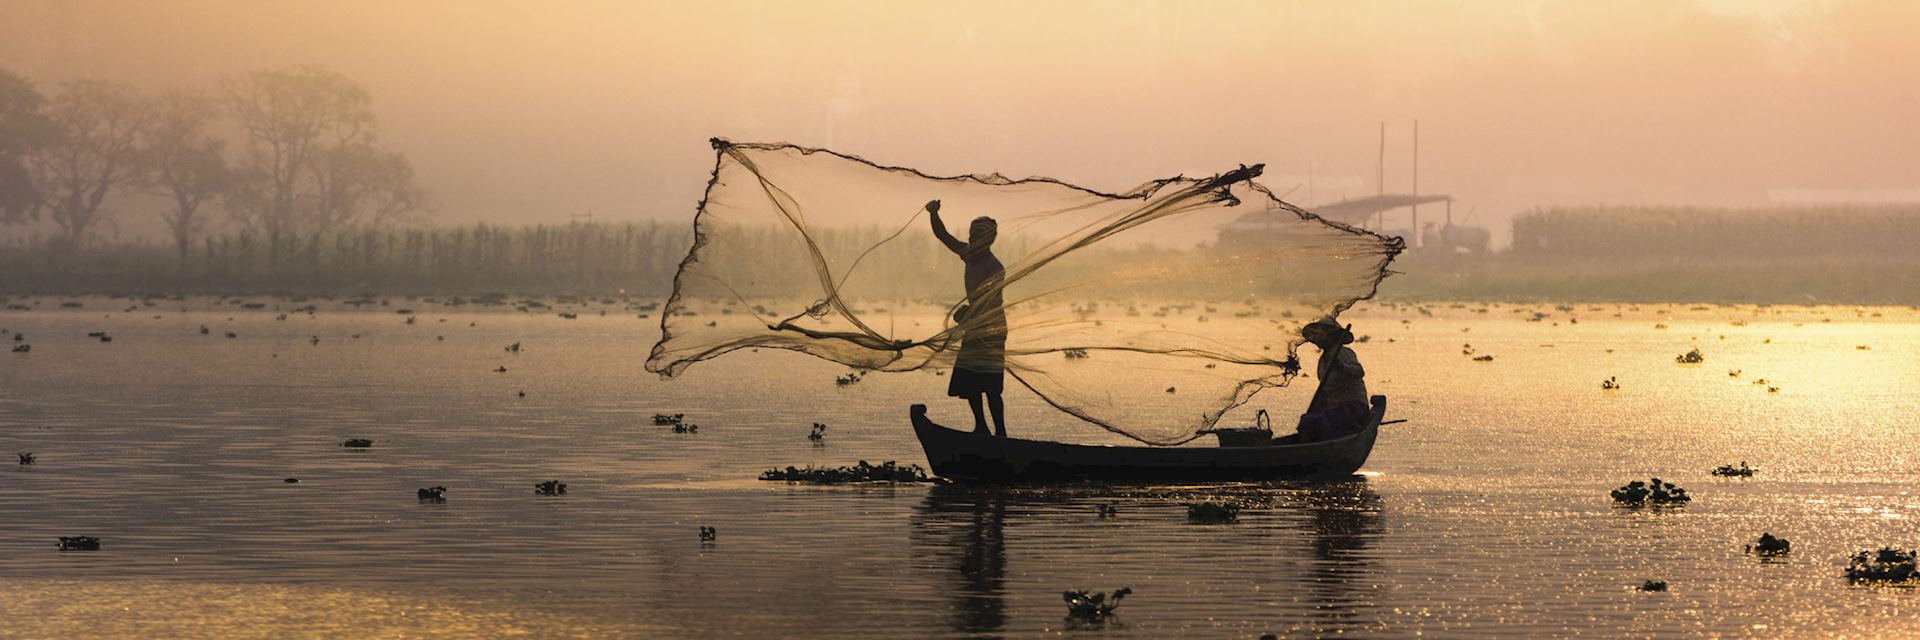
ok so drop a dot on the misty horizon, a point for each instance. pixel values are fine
(527, 115)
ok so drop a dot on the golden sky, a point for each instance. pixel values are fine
(523, 111)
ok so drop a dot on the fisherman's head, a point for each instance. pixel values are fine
(1326, 333)
(981, 233)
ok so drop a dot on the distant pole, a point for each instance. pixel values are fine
(1416, 183)
(1380, 178)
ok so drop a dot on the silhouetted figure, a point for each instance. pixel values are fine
(980, 371)
(1340, 405)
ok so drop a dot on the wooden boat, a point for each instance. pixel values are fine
(967, 456)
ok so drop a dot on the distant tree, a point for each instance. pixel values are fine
(97, 128)
(312, 162)
(362, 184)
(23, 130)
(185, 164)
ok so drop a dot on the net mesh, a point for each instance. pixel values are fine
(1148, 312)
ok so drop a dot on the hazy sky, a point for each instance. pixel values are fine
(534, 111)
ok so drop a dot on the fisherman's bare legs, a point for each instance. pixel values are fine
(999, 414)
(979, 416)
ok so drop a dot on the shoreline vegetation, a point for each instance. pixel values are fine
(1766, 255)
(1509, 278)
(641, 259)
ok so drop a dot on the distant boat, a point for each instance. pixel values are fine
(967, 456)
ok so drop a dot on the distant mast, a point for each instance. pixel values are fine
(1415, 228)
(1310, 199)
(1380, 178)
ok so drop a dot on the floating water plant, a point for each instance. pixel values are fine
(819, 432)
(1213, 512)
(888, 471)
(26, 458)
(686, 427)
(79, 543)
(709, 534)
(1485, 358)
(433, 494)
(1730, 471)
(1690, 357)
(1092, 606)
(550, 488)
(1658, 493)
(513, 348)
(850, 379)
(1769, 546)
(664, 419)
(1076, 354)
(500, 370)
(1610, 384)
(357, 443)
(1886, 565)
(1653, 585)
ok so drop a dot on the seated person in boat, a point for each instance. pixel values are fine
(981, 367)
(1339, 406)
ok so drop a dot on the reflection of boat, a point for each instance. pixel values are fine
(1318, 537)
(969, 530)
(962, 455)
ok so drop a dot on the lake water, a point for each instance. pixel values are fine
(1484, 515)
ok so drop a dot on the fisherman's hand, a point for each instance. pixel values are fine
(933, 207)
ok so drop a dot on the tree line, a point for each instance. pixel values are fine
(574, 258)
(283, 153)
(1773, 235)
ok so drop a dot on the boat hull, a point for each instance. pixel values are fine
(971, 457)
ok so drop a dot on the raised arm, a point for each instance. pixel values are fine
(940, 229)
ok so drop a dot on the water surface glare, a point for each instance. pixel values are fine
(1485, 515)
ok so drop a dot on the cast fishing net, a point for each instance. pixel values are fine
(1149, 312)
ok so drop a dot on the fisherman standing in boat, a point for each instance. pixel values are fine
(1339, 406)
(980, 369)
